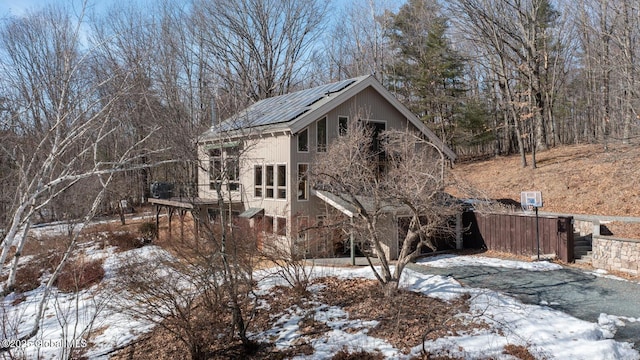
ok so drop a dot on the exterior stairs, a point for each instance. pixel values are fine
(582, 251)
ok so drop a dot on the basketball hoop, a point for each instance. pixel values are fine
(530, 202)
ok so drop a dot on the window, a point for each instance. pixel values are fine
(303, 187)
(267, 224)
(233, 173)
(302, 228)
(257, 180)
(377, 147)
(342, 125)
(215, 168)
(270, 182)
(282, 182)
(303, 140)
(282, 226)
(229, 174)
(321, 134)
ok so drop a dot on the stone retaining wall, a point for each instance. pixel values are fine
(616, 254)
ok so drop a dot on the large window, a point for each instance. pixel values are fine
(321, 134)
(303, 140)
(275, 181)
(270, 182)
(224, 168)
(281, 190)
(303, 185)
(258, 181)
(377, 147)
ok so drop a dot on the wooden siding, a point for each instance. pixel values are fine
(282, 148)
(368, 100)
(516, 234)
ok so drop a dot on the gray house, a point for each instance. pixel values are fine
(260, 156)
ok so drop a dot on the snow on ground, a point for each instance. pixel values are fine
(547, 333)
(69, 317)
(445, 261)
(605, 274)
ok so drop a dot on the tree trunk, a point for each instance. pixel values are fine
(390, 288)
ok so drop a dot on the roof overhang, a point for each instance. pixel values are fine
(335, 202)
(342, 204)
(251, 213)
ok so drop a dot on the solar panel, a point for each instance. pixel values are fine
(282, 108)
(340, 85)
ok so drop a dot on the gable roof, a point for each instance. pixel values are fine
(295, 111)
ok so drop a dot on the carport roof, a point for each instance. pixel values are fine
(341, 203)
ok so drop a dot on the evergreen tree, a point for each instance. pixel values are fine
(427, 73)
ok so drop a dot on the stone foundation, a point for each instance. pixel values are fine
(616, 254)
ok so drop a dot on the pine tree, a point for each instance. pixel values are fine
(427, 73)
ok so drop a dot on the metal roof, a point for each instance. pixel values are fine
(251, 212)
(344, 203)
(281, 109)
(293, 112)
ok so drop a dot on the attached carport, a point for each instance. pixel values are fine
(390, 216)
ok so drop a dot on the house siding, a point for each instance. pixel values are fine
(282, 148)
(370, 102)
(267, 150)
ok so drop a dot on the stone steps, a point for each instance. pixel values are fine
(582, 250)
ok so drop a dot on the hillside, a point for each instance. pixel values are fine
(579, 179)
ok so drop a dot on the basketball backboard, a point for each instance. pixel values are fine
(530, 199)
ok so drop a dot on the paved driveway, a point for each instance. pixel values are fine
(580, 294)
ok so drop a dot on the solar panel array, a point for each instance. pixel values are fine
(282, 108)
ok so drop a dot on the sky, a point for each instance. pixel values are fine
(20, 7)
(16, 7)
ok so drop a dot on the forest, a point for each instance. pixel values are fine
(119, 94)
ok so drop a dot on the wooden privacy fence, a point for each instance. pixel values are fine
(516, 234)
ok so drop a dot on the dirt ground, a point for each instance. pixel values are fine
(577, 179)
(403, 320)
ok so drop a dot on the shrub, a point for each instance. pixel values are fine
(518, 351)
(27, 278)
(124, 241)
(148, 232)
(344, 354)
(79, 275)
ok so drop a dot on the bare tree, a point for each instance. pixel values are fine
(405, 176)
(259, 47)
(63, 134)
(519, 37)
(205, 290)
(359, 44)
